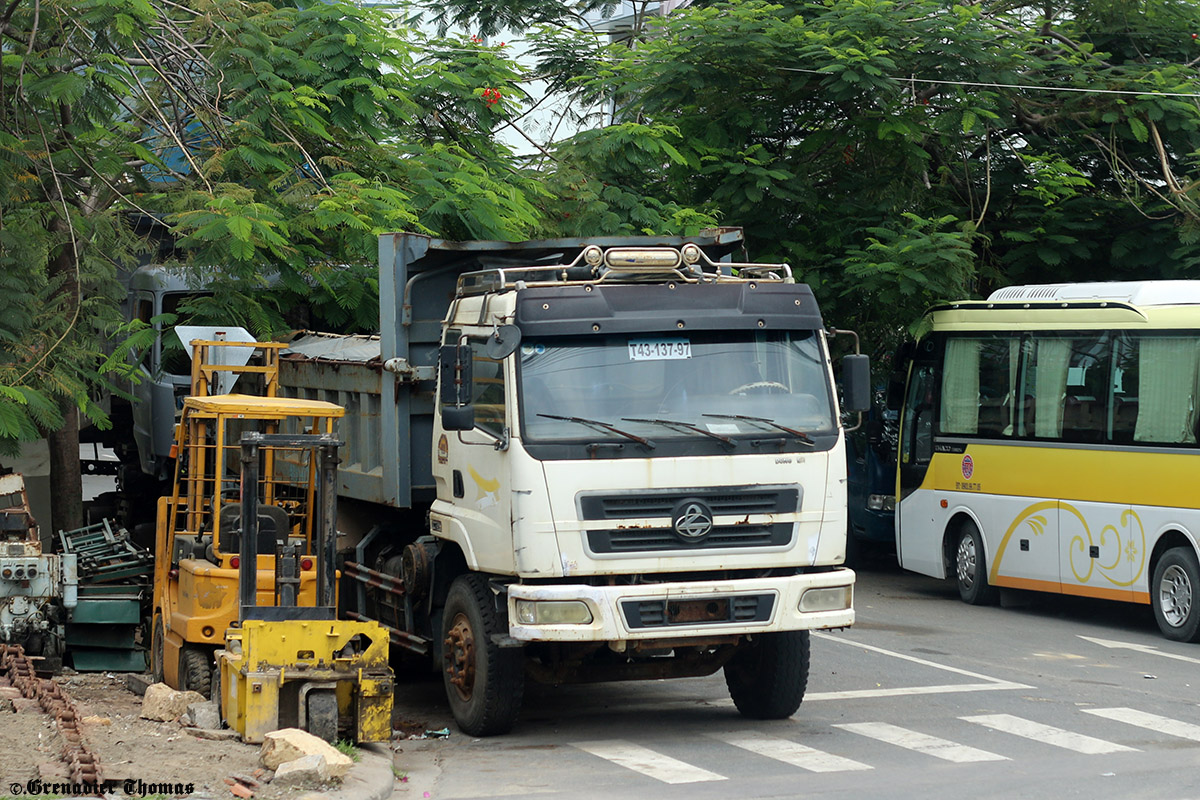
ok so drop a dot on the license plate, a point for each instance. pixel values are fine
(659, 349)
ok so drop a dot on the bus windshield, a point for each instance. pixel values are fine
(727, 384)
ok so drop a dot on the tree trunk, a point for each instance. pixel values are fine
(66, 479)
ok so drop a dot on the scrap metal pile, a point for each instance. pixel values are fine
(101, 632)
(84, 603)
(37, 589)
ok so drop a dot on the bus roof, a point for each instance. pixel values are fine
(1135, 293)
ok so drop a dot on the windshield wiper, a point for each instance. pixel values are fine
(801, 435)
(595, 423)
(671, 423)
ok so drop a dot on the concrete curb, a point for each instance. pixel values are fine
(371, 777)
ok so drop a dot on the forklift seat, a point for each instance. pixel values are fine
(273, 528)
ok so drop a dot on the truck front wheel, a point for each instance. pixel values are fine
(484, 682)
(768, 674)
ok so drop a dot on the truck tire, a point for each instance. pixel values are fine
(1175, 595)
(484, 682)
(768, 675)
(143, 535)
(101, 507)
(195, 671)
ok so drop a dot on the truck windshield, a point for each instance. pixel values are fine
(703, 383)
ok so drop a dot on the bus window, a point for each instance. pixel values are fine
(977, 388)
(1167, 389)
(918, 417)
(1071, 394)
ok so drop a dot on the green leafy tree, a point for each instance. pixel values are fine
(266, 140)
(901, 152)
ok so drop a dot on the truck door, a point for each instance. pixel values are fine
(471, 466)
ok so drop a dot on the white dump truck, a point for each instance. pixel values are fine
(588, 460)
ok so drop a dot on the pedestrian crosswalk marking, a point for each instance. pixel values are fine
(647, 762)
(1142, 719)
(789, 752)
(1048, 734)
(920, 742)
(670, 770)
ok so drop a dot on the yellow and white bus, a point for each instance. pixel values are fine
(1049, 442)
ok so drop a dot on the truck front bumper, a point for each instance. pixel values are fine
(686, 610)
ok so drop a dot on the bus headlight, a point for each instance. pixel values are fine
(831, 598)
(881, 502)
(553, 612)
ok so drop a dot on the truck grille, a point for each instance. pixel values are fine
(635, 540)
(706, 611)
(724, 501)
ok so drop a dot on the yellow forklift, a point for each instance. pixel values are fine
(202, 554)
(290, 666)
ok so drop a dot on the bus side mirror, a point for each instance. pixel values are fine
(856, 382)
(454, 378)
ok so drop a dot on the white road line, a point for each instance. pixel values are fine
(920, 742)
(990, 685)
(1171, 727)
(1139, 648)
(646, 761)
(1048, 734)
(905, 691)
(790, 752)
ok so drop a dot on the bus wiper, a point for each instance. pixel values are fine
(801, 435)
(595, 423)
(671, 423)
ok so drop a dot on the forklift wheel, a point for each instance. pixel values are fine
(321, 714)
(195, 671)
(156, 649)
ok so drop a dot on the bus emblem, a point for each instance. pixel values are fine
(968, 467)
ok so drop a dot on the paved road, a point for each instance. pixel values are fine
(924, 697)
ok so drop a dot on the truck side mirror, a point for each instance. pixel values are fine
(454, 374)
(458, 418)
(856, 382)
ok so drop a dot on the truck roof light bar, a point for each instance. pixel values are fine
(689, 264)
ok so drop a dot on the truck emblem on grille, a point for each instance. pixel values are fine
(692, 519)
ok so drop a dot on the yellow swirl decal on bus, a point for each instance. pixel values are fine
(1036, 523)
(1130, 550)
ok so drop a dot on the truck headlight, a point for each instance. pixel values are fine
(831, 598)
(553, 612)
(881, 502)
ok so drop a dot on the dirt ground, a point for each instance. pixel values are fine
(127, 746)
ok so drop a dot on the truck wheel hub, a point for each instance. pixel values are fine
(459, 656)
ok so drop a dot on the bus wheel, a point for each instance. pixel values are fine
(484, 682)
(768, 675)
(1174, 595)
(970, 567)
